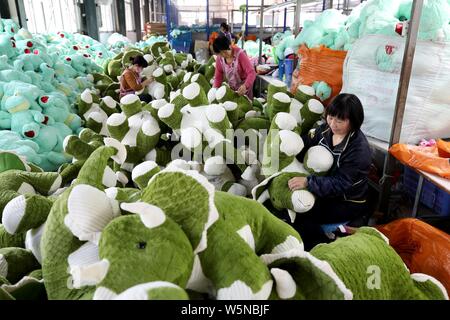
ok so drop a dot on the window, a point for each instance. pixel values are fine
(129, 16)
(51, 15)
(107, 23)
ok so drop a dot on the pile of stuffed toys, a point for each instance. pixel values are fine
(162, 201)
(41, 77)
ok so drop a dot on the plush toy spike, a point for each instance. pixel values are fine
(180, 76)
(257, 104)
(225, 93)
(195, 94)
(43, 182)
(95, 121)
(10, 160)
(304, 93)
(26, 212)
(69, 172)
(161, 156)
(11, 240)
(80, 150)
(283, 121)
(150, 225)
(92, 171)
(311, 112)
(16, 263)
(35, 168)
(173, 81)
(123, 194)
(113, 91)
(217, 117)
(244, 104)
(160, 76)
(179, 102)
(143, 172)
(275, 87)
(89, 136)
(187, 77)
(108, 105)
(294, 110)
(85, 101)
(171, 115)
(280, 149)
(118, 126)
(318, 160)
(212, 95)
(148, 136)
(280, 103)
(232, 111)
(201, 80)
(130, 104)
(154, 106)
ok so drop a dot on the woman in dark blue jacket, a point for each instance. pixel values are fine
(341, 194)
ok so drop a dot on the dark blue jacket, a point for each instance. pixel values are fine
(348, 178)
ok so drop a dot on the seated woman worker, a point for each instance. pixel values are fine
(234, 67)
(131, 81)
(341, 194)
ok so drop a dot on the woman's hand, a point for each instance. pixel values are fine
(297, 183)
(242, 90)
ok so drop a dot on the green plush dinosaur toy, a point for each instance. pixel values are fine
(208, 218)
(362, 267)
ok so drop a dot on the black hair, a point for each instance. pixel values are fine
(140, 61)
(221, 43)
(225, 26)
(347, 106)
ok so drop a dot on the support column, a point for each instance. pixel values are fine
(167, 11)
(5, 12)
(207, 20)
(298, 9)
(261, 30)
(120, 22)
(21, 14)
(402, 94)
(146, 11)
(90, 9)
(246, 17)
(137, 19)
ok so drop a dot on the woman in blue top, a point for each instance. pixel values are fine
(341, 194)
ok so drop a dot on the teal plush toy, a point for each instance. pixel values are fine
(53, 106)
(10, 27)
(7, 46)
